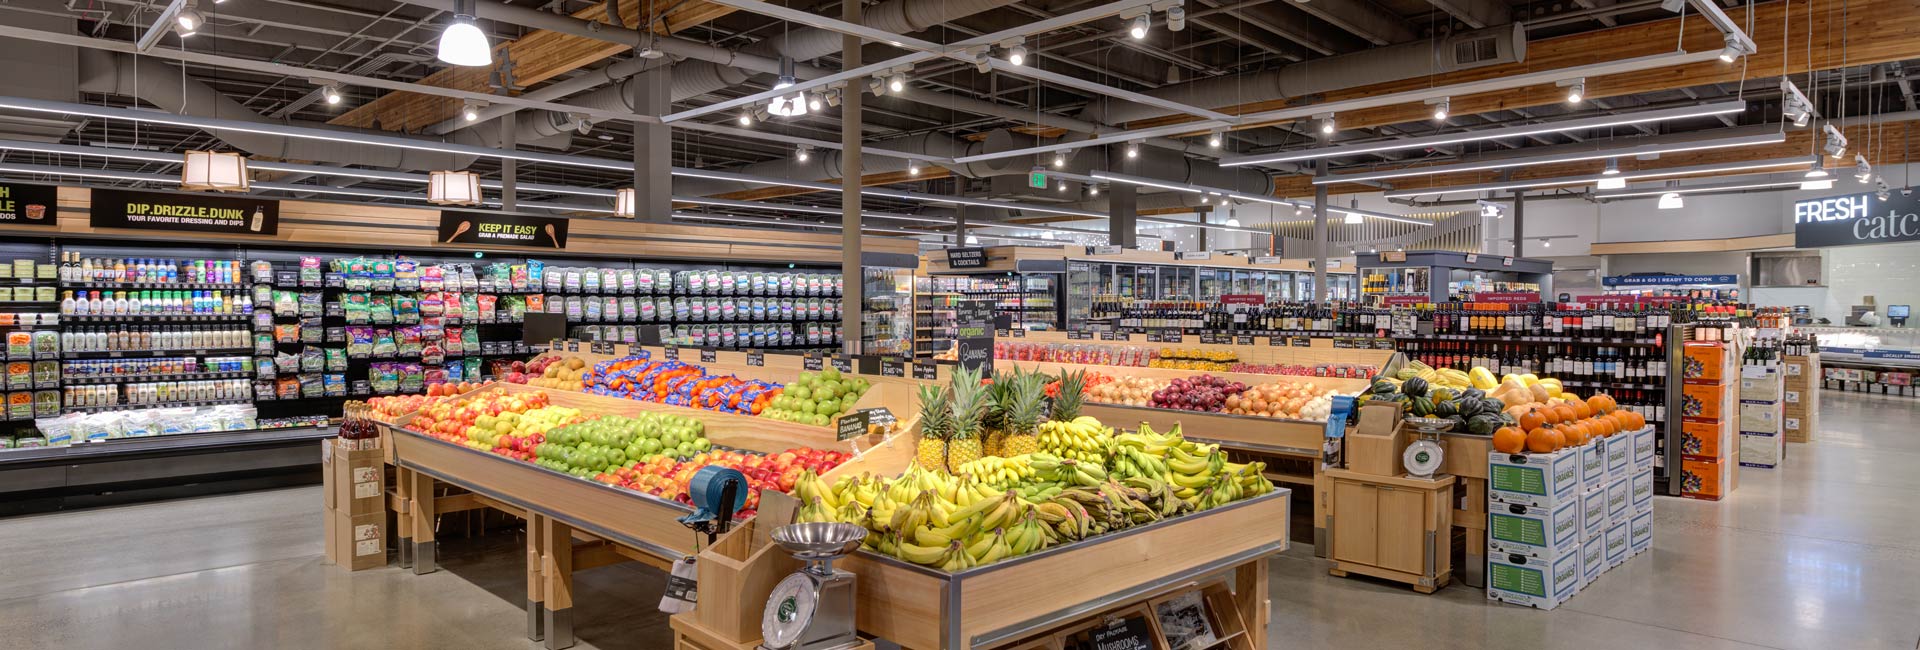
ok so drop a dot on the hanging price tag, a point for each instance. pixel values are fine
(926, 370)
(892, 367)
(709, 355)
(756, 358)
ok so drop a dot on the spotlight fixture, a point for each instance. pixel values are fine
(1060, 187)
(746, 118)
(794, 105)
(1176, 18)
(1133, 150)
(1490, 209)
(1017, 54)
(1546, 243)
(331, 93)
(1862, 171)
(877, 86)
(1215, 139)
(462, 43)
(1794, 104)
(813, 102)
(913, 167)
(1612, 179)
(1327, 125)
(470, 110)
(1836, 145)
(188, 21)
(1576, 89)
(1299, 210)
(897, 82)
(802, 153)
(1734, 50)
(1060, 159)
(1441, 107)
(1205, 198)
(1674, 6)
(1093, 190)
(1139, 29)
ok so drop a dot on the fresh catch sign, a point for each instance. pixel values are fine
(1855, 219)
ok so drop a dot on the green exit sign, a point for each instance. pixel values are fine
(1037, 180)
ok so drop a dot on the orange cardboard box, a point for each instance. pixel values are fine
(1705, 361)
(1706, 440)
(1710, 480)
(1706, 402)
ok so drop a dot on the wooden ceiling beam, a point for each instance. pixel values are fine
(537, 57)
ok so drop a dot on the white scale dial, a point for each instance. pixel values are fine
(789, 611)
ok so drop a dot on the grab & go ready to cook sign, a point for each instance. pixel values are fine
(457, 227)
(1854, 219)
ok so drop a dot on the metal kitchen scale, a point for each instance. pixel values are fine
(1425, 455)
(813, 608)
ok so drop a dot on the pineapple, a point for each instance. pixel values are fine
(969, 405)
(995, 419)
(1029, 398)
(935, 428)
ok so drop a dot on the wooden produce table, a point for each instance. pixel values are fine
(1002, 604)
(615, 524)
(1466, 459)
(1393, 527)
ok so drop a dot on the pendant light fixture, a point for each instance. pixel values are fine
(625, 201)
(794, 105)
(1612, 179)
(462, 43)
(216, 171)
(453, 188)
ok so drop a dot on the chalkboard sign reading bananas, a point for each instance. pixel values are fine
(493, 228)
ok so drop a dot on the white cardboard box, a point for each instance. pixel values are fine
(1534, 479)
(1640, 533)
(1759, 417)
(1593, 559)
(1643, 447)
(1593, 514)
(1619, 499)
(1533, 582)
(1593, 467)
(1641, 486)
(1760, 383)
(1762, 450)
(1617, 543)
(1534, 531)
(1619, 455)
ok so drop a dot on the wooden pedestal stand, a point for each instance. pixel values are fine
(1396, 528)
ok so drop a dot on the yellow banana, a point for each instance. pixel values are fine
(918, 554)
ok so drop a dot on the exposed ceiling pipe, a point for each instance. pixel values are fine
(164, 86)
(1378, 65)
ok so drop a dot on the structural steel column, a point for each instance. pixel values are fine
(1519, 222)
(509, 172)
(652, 146)
(852, 299)
(1320, 235)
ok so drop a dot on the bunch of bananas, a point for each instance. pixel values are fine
(1067, 471)
(999, 471)
(1084, 439)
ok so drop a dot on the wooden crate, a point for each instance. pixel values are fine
(989, 606)
(1230, 630)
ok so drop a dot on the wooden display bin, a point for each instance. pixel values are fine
(1395, 528)
(1229, 629)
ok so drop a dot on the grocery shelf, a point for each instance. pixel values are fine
(1590, 340)
(189, 286)
(161, 405)
(124, 379)
(165, 443)
(137, 354)
(157, 318)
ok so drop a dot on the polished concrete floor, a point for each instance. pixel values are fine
(1820, 554)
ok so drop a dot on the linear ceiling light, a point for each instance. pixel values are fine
(1603, 177)
(1298, 206)
(1696, 189)
(1602, 122)
(1643, 150)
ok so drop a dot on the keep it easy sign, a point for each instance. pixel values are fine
(1855, 219)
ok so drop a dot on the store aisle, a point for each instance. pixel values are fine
(1812, 556)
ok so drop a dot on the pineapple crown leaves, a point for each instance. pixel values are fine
(1066, 407)
(969, 403)
(935, 418)
(1029, 396)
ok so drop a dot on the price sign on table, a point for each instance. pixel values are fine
(842, 363)
(756, 357)
(709, 355)
(811, 361)
(892, 367)
(926, 370)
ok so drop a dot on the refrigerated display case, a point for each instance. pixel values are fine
(1447, 276)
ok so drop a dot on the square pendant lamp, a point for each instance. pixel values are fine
(215, 171)
(624, 201)
(453, 188)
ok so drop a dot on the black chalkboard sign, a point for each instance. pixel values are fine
(1114, 335)
(1243, 340)
(1079, 335)
(709, 355)
(756, 358)
(842, 363)
(1130, 632)
(1343, 343)
(892, 367)
(852, 425)
(926, 370)
(672, 353)
(811, 361)
(1300, 341)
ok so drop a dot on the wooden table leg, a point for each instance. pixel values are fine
(1250, 597)
(402, 520)
(536, 577)
(1322, 497)
(421, 519)
(556, 568)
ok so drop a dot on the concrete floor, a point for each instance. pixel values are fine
(1817, 555)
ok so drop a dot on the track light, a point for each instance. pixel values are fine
(813, 102)
(1017, 55)
(1674, 6)
(1576, 89)
(897, 82)
(913, 167)
(1672, 201)
(1819, 169)
(1490, 209)
(1061, 186)
(1205, 198)
(1139, 29)
(1730, 52)
(189, 20)
(1176, 18)
(331, 93)
(1327, 126)
(746, 117)
(1862, 171)
(470, 110)
(1441, 107)
(802, 153)
(1836, 145)
(1060, 159)
(1133, 150)
(1093, 190)
(877, 86)
(462, 43)
(1215, 139)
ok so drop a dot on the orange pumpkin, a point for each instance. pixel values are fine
(1605, 426)
(1580, 409)
(1576, 434)
(1509, 440)
(1635, 421)
(1561, 413)
(1532, 419)
(1544, 440)
(1601, 403)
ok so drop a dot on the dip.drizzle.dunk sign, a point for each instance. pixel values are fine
(235, 215)
(1854, 219)
(502, 229)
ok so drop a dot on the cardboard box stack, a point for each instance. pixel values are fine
(356, 502)
(1762, 438)
(1556, 522)
(1709, 410)
(1800, 397)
